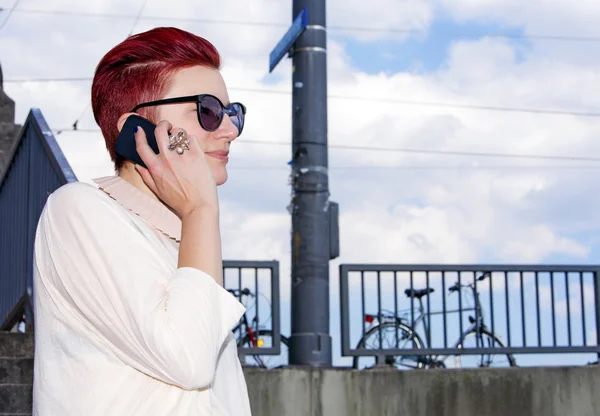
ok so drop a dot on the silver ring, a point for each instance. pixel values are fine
(179, 142)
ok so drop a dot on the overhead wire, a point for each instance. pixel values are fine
(26, 80)
(404, 150)
(459, 35)
(363, 98)
(345, 97)
(10, 12)
(333, 96)
(427, 168)
(89, 104)
(130, 16)
(284, 25)
(137, 18)
(437, 104)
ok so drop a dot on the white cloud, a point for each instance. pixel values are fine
(401, 234)
(387, 215)
(541, 241)
(544, 23)
(409, 15)
(537, 17)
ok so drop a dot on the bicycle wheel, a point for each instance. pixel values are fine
(406, 336)
(264, 339)
(486, 340)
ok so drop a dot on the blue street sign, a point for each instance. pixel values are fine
(286, 42)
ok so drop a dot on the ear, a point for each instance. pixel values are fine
(122, 120)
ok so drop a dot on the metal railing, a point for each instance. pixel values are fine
(424, 314)
(256, 284)
(37, 168)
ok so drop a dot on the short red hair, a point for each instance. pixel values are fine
(139, 70)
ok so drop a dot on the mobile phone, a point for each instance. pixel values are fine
(125, 145)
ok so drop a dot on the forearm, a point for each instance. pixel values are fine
(200, 245)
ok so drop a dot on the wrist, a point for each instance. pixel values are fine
(201, 211)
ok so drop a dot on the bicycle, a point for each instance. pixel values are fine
(251, 336)
(408, 338)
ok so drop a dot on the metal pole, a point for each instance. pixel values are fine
(310, 342)
(597, 304)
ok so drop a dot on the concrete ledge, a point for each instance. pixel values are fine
(554, 391)
(16, 370)
(16, 345)
(16, 398)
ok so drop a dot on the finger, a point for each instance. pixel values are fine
(143, 148)
(146, 177)
(191, 144)
(162, 135)
(179, 144)
(179, 136)
(194, 145)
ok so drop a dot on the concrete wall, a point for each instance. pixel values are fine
(564, 391)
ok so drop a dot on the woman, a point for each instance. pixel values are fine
(131, 316)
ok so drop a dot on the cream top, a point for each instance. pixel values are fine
(119, 329)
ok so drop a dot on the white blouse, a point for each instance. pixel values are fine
(119, 329)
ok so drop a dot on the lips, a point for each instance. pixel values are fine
(219, 154)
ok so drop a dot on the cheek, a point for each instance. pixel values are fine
(202, 136)
(191, 125)
(170, 114)
(187, 120)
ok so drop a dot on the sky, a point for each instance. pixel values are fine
(396, 207)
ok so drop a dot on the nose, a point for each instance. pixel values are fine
(227, 129)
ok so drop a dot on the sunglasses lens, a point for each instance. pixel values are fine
(237, 116)
(211, 113)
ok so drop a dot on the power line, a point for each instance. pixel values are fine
(89, 103)
(470, 106)
(484, 167)
(10, 12)
(436, 104)
(370, 99)
(285, 25)
(463, 153)
(474, 154)
(403, 150)
(25, 80)
(162, 18)
(492, 35)
(137, 18)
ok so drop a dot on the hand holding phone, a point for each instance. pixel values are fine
(125, 145)
(183, 181)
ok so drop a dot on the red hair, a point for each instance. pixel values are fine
(139, 70)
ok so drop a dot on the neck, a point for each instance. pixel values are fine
(129, 173)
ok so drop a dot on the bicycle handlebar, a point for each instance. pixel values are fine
(454, 288)
(484, 276)
(457, 286)
(243, 292)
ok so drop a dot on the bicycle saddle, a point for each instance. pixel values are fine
(418, 293)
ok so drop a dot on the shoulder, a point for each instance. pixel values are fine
(75, 192)
(80, 199)
(79, 214)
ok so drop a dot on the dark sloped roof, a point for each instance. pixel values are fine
(9, 133)
(11, 136)
(35, 120)
(9, 139)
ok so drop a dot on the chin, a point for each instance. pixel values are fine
(220, 176)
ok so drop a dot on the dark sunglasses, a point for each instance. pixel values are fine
(210, 110)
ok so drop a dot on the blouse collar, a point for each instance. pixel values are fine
(145, 206)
